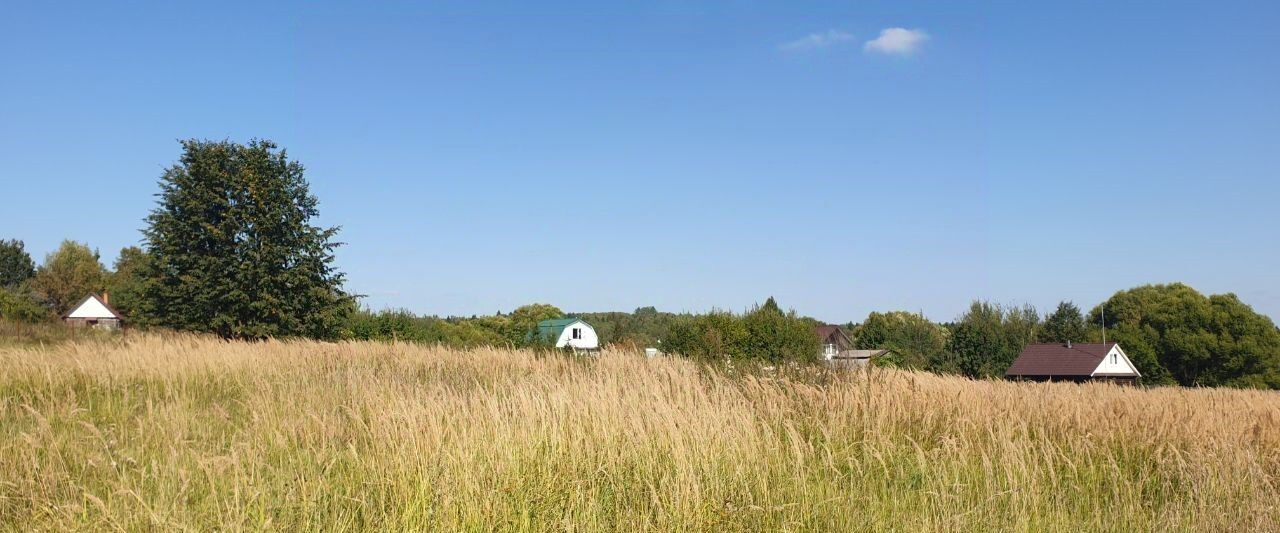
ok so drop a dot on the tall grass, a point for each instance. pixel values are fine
(14, 332)
(185, 433)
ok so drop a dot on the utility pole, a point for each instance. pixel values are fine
(1104, 322)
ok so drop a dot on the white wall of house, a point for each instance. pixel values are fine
(585, 339)
(91, 308)
(829, 351)
(1116, 362)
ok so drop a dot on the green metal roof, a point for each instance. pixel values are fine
(557, 322)
(551, 329)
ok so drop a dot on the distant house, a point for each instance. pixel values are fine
(834, 340)
(857, 358)
(569, 332)
(837, 348)
(94, 312)
(1074, 362)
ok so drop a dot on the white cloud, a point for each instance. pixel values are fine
(817, 40)
(897, 41)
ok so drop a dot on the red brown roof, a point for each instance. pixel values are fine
(833, 335)
(1042, 360)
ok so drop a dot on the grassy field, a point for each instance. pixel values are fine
(174, 433)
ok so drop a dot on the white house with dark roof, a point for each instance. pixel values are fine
(1077, 362)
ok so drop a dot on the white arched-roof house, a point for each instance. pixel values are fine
(569, 332)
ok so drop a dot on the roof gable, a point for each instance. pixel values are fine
(1121, 367)
(92, 307)
(826, 333)
(1077, 360)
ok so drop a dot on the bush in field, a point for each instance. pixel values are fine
(918, 343)
(20, 306)
(765, 333)
(714, 336)
(404, 326)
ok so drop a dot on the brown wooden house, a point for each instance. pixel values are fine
(838, 348)
(1074, 362)
(834, 340)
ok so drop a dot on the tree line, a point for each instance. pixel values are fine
(231, 249)
(1172, 333)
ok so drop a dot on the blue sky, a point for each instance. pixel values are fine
(682, 155)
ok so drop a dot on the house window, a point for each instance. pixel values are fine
(830, 349)
(577, 333)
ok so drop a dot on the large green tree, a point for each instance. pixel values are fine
(765, 333)
(234, 250)
(918, 343)
(1176, 334)
(68, 275)
(776, 336)
(522, 324)
(1066, 323)
(988, 337)
(715, 336)
(127, 282)
(16, 265)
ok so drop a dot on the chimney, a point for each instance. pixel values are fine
(106, 297)
(1068, 344)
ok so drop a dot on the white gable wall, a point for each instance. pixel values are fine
(589, 340)
(1122, 365)
(91, 308)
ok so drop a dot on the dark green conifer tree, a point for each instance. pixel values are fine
(234, 251)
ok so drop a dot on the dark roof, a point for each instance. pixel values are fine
(1059, 360)
(113, 310)
(826, 333)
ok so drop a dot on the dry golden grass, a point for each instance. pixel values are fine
(185, 433)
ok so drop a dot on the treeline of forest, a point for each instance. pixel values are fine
(1174, 334)
(230, 250)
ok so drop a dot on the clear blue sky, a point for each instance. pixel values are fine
(682, 155)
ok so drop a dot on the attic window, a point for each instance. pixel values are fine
(577, 333)
(1114, 358)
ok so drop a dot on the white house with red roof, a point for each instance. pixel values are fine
(1074, 362)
